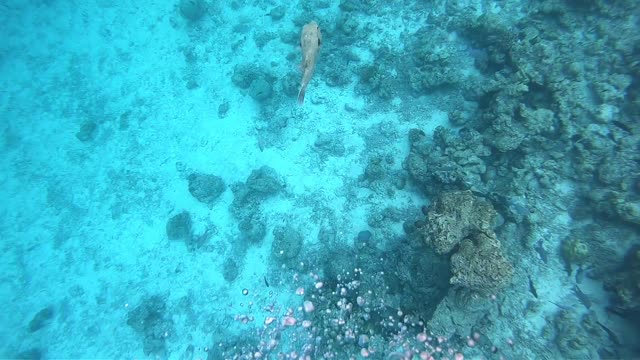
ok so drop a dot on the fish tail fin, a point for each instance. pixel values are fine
(301, 95)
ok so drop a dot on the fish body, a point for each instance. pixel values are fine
(532, 288)
(612, 336)
(310, 41)
(580, 274)
(544, 256)
(582, 297)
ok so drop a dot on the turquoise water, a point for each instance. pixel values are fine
(460, 181)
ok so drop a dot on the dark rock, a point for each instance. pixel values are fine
(253, 229)
(364, 235)
(260, 89)
(206, 188)
(192, 10)
(230, 270)
(31, 354)
(277, 12)
(223, 109)
(179, 227)
(41, 319)
(151, 321)
(287, 243)
(87, 131)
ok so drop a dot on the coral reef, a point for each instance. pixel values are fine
(461, 224)
(455, 216)
(577, 337)
(574, 251)
(480, 264)
(254, 81)
(260, 184)
(437, 61)
(152, 323)
(458, 313)
(449, 162)
(624, 284)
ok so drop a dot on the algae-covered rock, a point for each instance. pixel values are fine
(179, 226)
(629, 211)
(504, 134)
(206, 188)
(480, 265)
(287, 243)
(571, 337)
(260, 89)
(192, 10)
(453, 217)
(575, 251)
(625, 285)
(230, 270)
(453, 316)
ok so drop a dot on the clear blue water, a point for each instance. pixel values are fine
(460, 180)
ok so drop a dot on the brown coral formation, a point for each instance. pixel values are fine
(480, 265)
(455, 216)
(463, 220)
